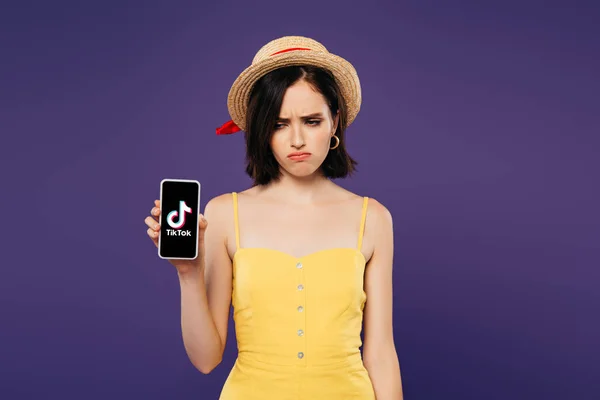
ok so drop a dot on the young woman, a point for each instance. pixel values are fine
(299, 258)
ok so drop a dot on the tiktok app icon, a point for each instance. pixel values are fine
(176, 225)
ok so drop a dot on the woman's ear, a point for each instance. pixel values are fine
(336, 119)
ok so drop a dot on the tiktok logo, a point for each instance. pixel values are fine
(181, 213)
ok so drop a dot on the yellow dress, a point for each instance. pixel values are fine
(298, 324)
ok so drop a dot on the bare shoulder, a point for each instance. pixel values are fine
(342, 195)
(218, 204)
(220, 216)
(378, 236)
(379, 214)
(219, 211)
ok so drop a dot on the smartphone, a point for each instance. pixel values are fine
(180, 206)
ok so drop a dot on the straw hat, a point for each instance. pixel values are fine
(286, 51)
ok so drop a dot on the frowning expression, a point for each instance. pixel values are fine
(302, 134)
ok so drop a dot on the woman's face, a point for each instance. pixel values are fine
(302, 135)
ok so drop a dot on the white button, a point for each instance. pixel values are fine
(300, 355)
(300, 308)
(300, 286)
(300, 332)
(299, 265)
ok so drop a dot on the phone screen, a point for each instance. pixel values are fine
(179, 203)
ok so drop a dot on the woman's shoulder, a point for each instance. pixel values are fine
(223, 203)
(377, 212)
(373, 203)
(375, 208)
(219, 206)
(220, 200)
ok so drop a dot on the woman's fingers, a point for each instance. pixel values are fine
(153, 235)
(152, 223)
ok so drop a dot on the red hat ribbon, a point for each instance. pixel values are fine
(227, 128)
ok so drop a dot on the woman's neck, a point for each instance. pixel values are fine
(300, 191)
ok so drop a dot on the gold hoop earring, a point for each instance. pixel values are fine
(337, 142)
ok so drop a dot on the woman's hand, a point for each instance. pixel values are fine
(182, 266)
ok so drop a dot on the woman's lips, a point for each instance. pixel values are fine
(298, 156)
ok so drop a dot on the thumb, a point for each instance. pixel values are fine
(202, 222)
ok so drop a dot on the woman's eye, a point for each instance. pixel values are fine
(314, 122)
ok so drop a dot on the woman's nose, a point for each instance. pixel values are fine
(297, 139)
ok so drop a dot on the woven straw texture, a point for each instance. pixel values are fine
(264, 62)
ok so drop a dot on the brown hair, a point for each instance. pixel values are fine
(264, 106)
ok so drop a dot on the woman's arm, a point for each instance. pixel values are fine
(206, 292)
(379, 350)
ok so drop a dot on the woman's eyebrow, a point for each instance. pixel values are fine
(313, 115)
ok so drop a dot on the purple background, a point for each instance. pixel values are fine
(479, 131)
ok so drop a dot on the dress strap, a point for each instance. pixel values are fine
(362, 222)
(235, 220)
